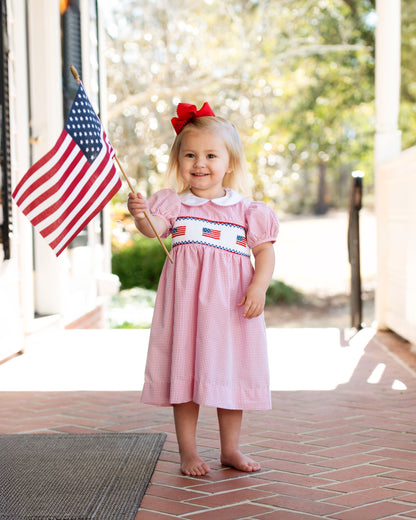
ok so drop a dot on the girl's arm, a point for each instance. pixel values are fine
(255, 295)
(137, 204)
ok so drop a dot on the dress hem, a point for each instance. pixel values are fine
(157, 398)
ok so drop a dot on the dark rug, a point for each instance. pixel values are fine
(100, 476)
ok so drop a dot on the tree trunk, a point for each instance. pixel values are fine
(321, 206)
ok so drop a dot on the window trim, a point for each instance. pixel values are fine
(5, 155)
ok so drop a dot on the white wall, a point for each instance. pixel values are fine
(14, 275)
(396, 221)
(73, 284)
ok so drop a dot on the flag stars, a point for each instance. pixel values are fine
(84, 127)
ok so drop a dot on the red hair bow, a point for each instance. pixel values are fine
(187, 112)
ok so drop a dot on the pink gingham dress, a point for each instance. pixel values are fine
(201, 348)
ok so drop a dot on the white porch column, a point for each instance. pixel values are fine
(387, 95)
(388, 137)
(51, 276)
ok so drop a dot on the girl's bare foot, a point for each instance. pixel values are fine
(193, 466)
(240, 461)
(186, 417)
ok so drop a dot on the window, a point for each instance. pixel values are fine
(72, 55)
(5, 166)
(71, 50)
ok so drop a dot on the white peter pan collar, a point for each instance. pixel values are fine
(231, 197)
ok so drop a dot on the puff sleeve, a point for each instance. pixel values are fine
(262, 224)
(165, 204)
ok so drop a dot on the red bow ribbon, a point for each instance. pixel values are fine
(187, 112)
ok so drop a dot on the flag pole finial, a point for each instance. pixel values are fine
(75, 73)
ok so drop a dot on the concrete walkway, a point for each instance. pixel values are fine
(340, 442)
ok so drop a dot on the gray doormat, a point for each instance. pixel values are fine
(100, 476)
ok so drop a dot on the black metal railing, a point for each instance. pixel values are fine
(354, 248)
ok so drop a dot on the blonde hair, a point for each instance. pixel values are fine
(238, 178)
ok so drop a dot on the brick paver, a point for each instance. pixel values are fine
(346, 453)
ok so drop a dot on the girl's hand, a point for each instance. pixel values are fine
(253, 301)
(255, 295)
(137, 205)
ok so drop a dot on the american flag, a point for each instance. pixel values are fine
(73, 182)
(211, 233)
(241, 241)
(178, 231)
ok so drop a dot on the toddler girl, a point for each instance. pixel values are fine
(207, 342)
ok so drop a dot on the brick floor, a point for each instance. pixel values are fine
(344, 453)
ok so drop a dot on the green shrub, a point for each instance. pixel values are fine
(279, 292)
(140, 264)
(128, 325)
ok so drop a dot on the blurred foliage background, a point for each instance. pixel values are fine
(295, 76)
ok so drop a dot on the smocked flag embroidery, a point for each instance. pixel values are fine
(178, 231)
(221, 235)
(211, 233)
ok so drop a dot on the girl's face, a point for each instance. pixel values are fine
(203, 162)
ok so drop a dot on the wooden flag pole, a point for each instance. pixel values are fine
(75, 74)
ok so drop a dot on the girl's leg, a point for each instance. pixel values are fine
(230, 426)
(186, 418)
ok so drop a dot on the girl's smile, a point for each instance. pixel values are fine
(203, 162)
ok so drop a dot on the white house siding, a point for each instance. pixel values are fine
(395, 186)
(397, 236)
